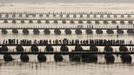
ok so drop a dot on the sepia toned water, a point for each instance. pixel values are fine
(66, 67)
(50, 67)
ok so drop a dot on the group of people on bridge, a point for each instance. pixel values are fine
(65, 41)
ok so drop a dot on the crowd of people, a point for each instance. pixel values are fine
(65, 41)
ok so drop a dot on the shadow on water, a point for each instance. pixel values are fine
(60, 64)
(55, 68)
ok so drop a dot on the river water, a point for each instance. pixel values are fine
(33, 67)
(66, 67)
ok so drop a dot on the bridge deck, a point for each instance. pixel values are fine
(70, 19)
(68, 44)
(65, 53)
(71, 13)
(70, 28)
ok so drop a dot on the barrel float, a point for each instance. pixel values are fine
(93, 58)
(13, 15)
(130, 31)
(123, 48)
(26, 15)
(33, 15)
(74, 15)
(105, 22)
(68, 31)
(80, 21)
(122, 22)
(115, 15)
(36, 31)
(34, 48)
(120, 31)
(93, 48)
(109, 58)
(30, 21)
(47, 21)
(41, 58)
(22, 21)
(72, 21)
(39, 21)
(88, 21)
(49, 48)
(78, 48)
(89, 58)
(114, 22)
(130, 22)
(55, 21)
(126, 58)
(13, 21)
(97, 22)
(14, 31)
(25, 31)
(75, 57)
(128, 15)
(4, 48)
(20, 15)
(81, 15)
(57, 31)
(4, 31)
(122, 15)
(19, 48)
(6, 15)
(7, 58)
(110, 31)
(99, 31)
(108, 49)
(58, 58)
(24, 58)
(40, 15)
(108, 16)
(64, 21)
(5, 21)
(64, 48)
(89, 31)
(46, 31)
(67, 15)
(101, 16)
(86, 58)
(78, 31)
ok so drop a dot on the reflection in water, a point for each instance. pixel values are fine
(33, 67)
(66, 68)
(31, 36)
